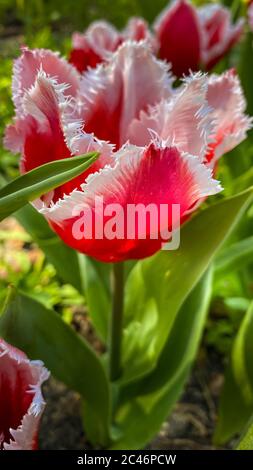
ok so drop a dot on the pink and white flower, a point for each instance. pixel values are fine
(191, 38)
(21, 399)
(157, 145)
(101, 39)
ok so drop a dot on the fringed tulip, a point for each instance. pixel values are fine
(98, 42)
(21, 399)
(157, 145)
(192, 38)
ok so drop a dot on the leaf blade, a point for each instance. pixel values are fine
(238, 386)
(157, 287)
(41, 333)
(41, 180)
(154, 396)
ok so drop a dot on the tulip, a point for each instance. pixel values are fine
(157, 145)
(193, 38)
(21, 399)
(97, 43)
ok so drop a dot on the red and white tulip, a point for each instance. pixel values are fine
(157, 145)
(101, 39)
(192, 38)
(22, 403)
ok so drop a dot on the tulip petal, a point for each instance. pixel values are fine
(15, 133)
(98, 42)
(27, 66)
(94, 46)
(44, 140)
(180, 37)
(219, 33)
(120, 90)
(225, 96)
(103, 38)
(155, 175)
(186, 120)
(137, 29)
(22, 403)
(50, 131)
(84, 56)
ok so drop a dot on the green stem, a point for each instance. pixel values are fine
(236, 9)
(116, 323)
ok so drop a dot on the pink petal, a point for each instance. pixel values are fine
(95, 45)
(185, 120)
(15, 133)
(22, 403)
(137, 29)
(82, 55)
(103, 37)
(49, 131)
(180, 37)
(113, 95)
(215, 20)
(44, 140)
(154, 175)
(219, 33)
(225, 96)
(27, 66)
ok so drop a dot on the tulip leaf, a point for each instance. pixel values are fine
(157, 287)
(96, 278)
(246, 443)
(236, 404)
(41, 180)
(245, 70)
(145, 405)
(246, 179)
(67, 262)
(235, 256)
(42, 334)
(88, 276)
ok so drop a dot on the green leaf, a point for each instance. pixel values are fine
(245, 180)
(41, 180)
(235, 256)
(67, 262)
(85, 274)
(246, 443)
(97, 293)
(157, 287)
(43, 335)
(234, 412)
(245, 68)
(236, 404)
(145, 405)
